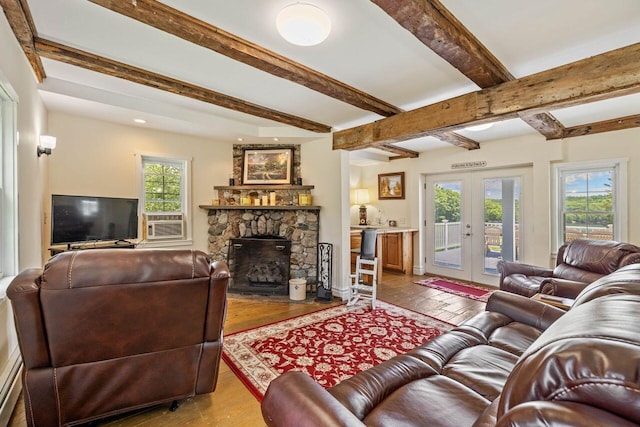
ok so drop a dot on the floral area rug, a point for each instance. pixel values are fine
(330, 345)
(460, 289)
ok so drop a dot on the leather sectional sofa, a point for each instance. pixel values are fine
(521, 362)
(578, 263)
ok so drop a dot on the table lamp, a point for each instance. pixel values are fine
(362, 197)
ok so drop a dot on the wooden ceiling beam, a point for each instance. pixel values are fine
(545, 123)
(21, 22)
(172, 21)
(457, 140)
(442, 32)
(89, 61)
(620, 123)
(600, 77)
(432, 24)
(402, 153)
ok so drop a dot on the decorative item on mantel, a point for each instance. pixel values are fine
(263, 195)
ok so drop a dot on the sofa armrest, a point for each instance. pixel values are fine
(562, 287)
(217, 305)
(24, 293)
(295, 399)
(523, 310)
(507, 268)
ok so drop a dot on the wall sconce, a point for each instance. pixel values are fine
(361, 197)
(47, 143)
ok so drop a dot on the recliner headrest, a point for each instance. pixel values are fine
(598, 256)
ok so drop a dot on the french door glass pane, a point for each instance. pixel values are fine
(501, 221)
(447, 227)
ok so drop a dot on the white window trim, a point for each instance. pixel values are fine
(9, 185)
(620, 195)
(186, 202)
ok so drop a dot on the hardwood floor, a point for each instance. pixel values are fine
(232, 404)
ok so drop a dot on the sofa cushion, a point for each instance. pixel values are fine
(514, 338)
(421, 397)
(483, 369)
(598, 256)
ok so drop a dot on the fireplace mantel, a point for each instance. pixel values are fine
(264, 187)
(261, 208)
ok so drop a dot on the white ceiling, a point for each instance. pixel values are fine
(366, 49)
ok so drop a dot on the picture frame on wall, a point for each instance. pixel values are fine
(391, 186)
(267, 166)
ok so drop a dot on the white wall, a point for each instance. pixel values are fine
(325, 169)
(97, 158)
(534, 151)
(16, 75)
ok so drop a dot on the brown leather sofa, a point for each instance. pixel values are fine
(521, 362)
(110, 330)
(577, 264)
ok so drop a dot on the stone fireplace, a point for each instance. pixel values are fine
(297, 225)
(265, 212)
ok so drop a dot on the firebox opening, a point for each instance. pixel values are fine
(260, 265)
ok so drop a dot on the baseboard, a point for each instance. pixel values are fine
(11, 398)
(343, 294)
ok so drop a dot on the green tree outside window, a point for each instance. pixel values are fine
(162, 186)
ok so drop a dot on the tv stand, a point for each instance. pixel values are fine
(118, 244)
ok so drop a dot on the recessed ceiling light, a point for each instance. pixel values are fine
(142, 121)
(276, 139)
(240, 139)
(303, 24)
(478, 128)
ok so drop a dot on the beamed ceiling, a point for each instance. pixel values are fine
(394, 79)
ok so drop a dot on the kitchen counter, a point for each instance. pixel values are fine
(394, 247)
(356, 229)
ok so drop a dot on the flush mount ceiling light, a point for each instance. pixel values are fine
(478, 128)
(303, 24)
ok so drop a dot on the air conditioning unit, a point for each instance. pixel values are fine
(165, 226)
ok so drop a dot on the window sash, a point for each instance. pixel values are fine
(163, 189)
(594, 213)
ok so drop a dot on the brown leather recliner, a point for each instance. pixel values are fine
(519, 363)
(578, 263)
(109, 330)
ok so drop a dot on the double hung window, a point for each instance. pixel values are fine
(591, 201)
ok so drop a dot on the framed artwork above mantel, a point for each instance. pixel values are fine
(391, 186)
(268, 166)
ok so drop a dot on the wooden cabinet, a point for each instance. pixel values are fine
(392, 257)
(394, 249)
(355, 244)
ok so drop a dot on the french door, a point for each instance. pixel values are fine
(473, 220)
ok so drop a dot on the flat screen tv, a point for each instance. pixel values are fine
(76, 219)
